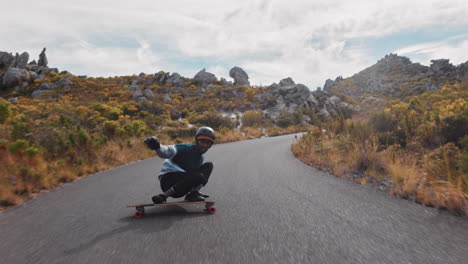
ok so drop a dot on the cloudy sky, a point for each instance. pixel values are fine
(308, 40)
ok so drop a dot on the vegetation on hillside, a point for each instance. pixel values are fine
(416, 149)
(95, 124)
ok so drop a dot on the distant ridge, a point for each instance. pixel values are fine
(395, 77)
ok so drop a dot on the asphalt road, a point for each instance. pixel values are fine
(271, 208)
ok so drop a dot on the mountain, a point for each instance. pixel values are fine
(396, 77)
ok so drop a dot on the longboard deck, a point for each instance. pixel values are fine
(140, 208)
(173, 203)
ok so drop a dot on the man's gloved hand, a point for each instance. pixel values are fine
(152, 143)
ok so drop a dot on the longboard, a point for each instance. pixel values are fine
(140, 208)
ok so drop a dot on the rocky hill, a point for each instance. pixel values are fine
(396, 77)
(18, 76)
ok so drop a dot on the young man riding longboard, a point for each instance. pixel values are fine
(184, 171)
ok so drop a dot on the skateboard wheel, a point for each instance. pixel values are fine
(211, 209)
(138, 214)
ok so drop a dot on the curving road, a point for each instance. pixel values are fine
(271, 209)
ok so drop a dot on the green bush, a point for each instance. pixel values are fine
(110, 128)
(18, 146)
(32, 151)
(136, 128)
(382, 122)
(20, 127)
(252, 119)
(4, 111)
(454, 127)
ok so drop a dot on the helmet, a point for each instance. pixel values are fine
(205, 133)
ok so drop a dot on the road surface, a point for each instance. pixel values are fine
(271, 208)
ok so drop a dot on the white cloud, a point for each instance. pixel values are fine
(455, 48)
(309, 41)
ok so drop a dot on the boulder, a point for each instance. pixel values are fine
(287, 82)
(203, 78)
(149, 94)
(167, 99)
(37, 94)
(176, 80)
(13, 100)
(274, 88)
(138, 95)
(64, 82)
(15, 77)
(21, 61)
(239, 75)
(226, 84)
(47, 86)
(6, 59)
(43, 59)
(132, 88)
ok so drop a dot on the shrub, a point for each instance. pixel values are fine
(18, 147)
(136, 128)
(285, 120)
(110, 128)
(4, 111)
(214, 120)
(181, 132)
(454, 127)
(382, 122)
(252, 118)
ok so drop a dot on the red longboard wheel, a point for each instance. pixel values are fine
(211, 209)
(138, 214)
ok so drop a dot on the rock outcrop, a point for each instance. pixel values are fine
(19, 72)
(163, 78)
(239, 75)
(43, 59)
(204, 78)
(289, 97)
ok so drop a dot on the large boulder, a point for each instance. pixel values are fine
(204, 78)
(239, 75)
(21, 61)
(6, 59)
(14, 77)
(287, 82)
(176, 80)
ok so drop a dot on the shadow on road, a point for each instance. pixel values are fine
(154, 221)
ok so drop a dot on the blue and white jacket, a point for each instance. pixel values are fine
(180, 158)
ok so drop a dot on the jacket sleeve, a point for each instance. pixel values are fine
(166, 152)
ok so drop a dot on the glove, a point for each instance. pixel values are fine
(152, 143)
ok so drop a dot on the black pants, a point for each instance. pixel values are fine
(184, 182)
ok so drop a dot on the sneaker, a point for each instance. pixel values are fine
(194, 197)
(203, 195)
(159, 199)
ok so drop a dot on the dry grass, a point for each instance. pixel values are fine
(434, 182)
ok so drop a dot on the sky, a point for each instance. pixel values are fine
(310, 41)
